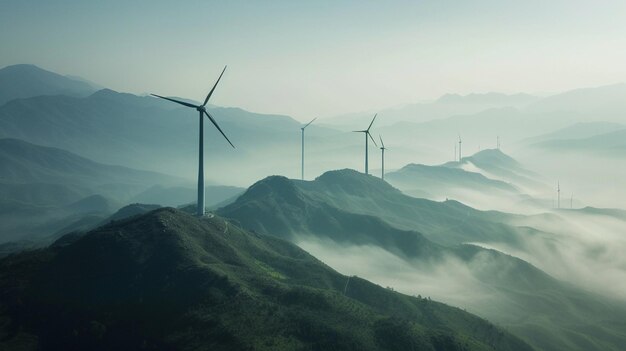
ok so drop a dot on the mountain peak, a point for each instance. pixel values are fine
(22, 67)
(25, 81)
(355, 182)
(121, 286)
(279, 187)
(492, 155)
(105, 93)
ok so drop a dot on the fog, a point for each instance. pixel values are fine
(585, 250)
(449, 280)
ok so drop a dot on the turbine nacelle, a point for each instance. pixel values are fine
(201, 108)
(203, 112)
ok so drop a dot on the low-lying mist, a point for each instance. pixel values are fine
(583, 249)
(449, 280)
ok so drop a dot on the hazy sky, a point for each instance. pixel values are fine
(321, 58)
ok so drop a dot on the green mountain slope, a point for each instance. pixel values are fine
(280, 206)
(346, 209)
(167, 280)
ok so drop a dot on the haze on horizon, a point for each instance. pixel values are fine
(321, 58)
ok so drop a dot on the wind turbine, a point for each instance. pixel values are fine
(201, 111)
(382, 149)
(558, 195)
(460, 147)
(367, 133)
(302, 129)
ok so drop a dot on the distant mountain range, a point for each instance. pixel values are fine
(575, 131)
(141, 132)
(146, 133)
(167, 280)
(26, 81)
(25, 163)
(461, 180)
(609, 144)
(140, 276)
(44, 189)
(446, 106)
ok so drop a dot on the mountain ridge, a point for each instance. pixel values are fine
(25, 81)
(243, 291)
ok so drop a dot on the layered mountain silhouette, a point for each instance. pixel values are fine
(25, 81)
(25, 163)
(44, 189)
(495, 164)
(349, 209)
(446, 106)
(611, 143)
(282, 206)
(442, 181)
(148, 133)
(575, 131)
(144, 277)
(167, 280)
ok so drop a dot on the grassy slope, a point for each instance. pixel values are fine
(169, 280)
(447, 223)
(347, 207)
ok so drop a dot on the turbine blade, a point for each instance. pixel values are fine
(368, 128)
(212, 90)
(381, 141)
(359, 131)
(371, 137)
(176, 101)
(218, 128)
(309, 123)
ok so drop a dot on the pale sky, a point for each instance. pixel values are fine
(321, 58)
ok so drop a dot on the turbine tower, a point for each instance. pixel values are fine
(460, 147)
(367, 134)
(302, 129)
(201, 111)
(558, 195)
(382, 149)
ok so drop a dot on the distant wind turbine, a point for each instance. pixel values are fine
(460, 147)
(382, 149)
(498, 142)
(367, 133)
(202, 111)
(558, 195)
(302, 129)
